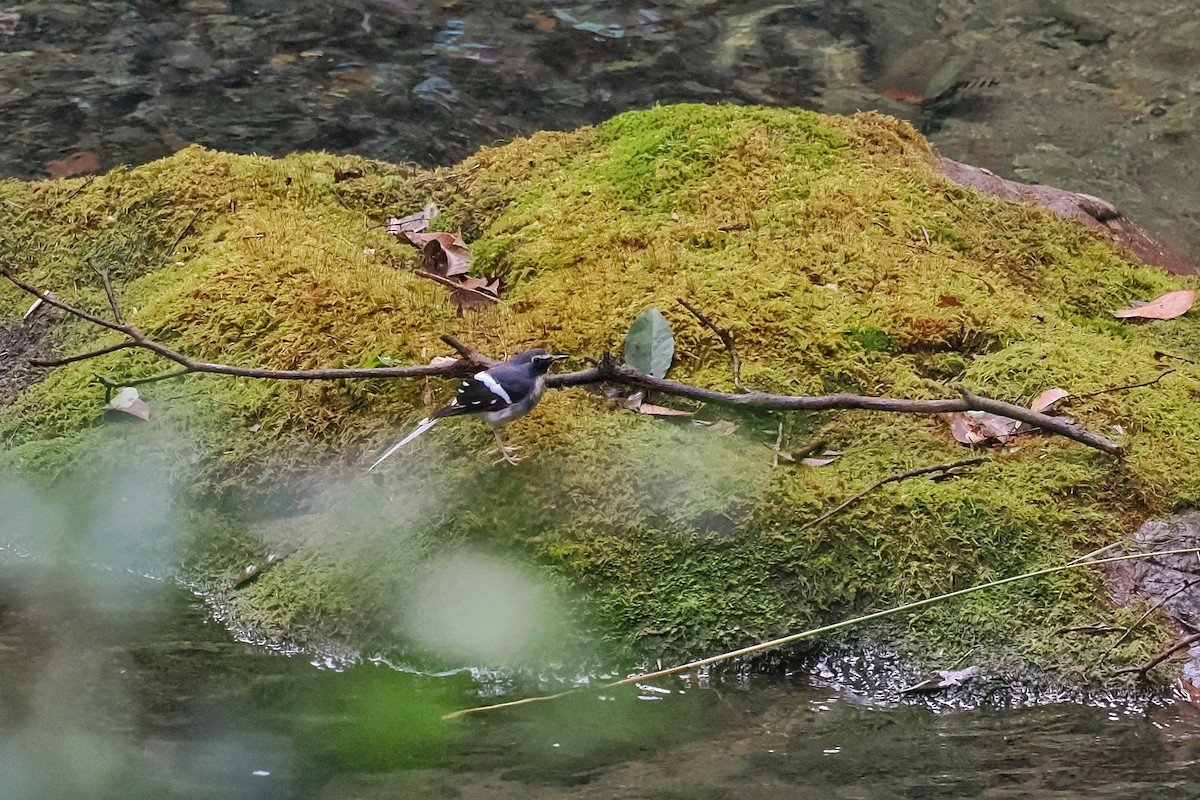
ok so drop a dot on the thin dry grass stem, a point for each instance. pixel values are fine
(184, 232)
(1121, 388)
(808, 634)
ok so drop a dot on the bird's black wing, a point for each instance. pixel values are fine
(491, 390)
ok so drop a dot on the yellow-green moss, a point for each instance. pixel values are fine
(839, 259)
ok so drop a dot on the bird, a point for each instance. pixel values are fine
(497, 395)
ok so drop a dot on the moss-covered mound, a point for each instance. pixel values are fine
(838, 258)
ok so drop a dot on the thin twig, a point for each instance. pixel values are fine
(138, 339)
(1119, 388)
(58, 362)
(456, 286)
(468, 352)
(81, 187)
(184, 232)
(112, 300)
(836, 626)
(900, 476)
(725, 337)
(1142, 669)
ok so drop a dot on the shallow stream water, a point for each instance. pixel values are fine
(125, 686)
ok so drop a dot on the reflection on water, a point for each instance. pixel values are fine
(1100, 97)
(128, 689)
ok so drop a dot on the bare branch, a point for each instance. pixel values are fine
(606, 370)
(58, 362)
(726, 339)
(610, 372)
(1059, 425)
(1142, 669)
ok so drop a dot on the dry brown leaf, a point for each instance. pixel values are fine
(1167, 306)
(662, 411)
(1048, 399)
(450, 255)
(980, 427)
(947, 300)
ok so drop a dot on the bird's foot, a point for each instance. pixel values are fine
(507, 453)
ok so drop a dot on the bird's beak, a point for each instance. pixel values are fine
(559, 357)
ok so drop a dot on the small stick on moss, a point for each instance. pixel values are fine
(184, 232)
(1119, 388)
(112, 299)
(900, 476)
(80, 187)
(726, 339)
(1142, 669)
(456, 286)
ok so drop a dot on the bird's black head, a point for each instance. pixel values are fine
(539, 358)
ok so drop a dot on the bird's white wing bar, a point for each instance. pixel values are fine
(494, 385)
(423, 426)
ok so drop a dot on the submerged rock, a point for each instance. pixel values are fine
(832, 248)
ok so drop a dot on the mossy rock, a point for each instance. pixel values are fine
(839, 259)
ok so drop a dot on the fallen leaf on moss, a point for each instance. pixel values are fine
(476, 292)
(1167, 306)
(413, 223)
(823, 460)
(442, 253)
(1048, 399)
(980, 427)
(662, 411)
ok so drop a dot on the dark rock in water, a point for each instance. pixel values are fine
(1091, 211)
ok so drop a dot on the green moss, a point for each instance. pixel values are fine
(837, 257)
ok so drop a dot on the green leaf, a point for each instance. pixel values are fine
(650, 345)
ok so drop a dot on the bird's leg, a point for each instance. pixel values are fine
(506, 451)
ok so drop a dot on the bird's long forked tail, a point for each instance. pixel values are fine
(424, 425)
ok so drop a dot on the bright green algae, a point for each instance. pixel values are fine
(838, 258)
